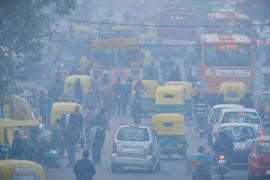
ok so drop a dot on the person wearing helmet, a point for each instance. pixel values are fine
(246, 101)
(202, 162)
(223, 144)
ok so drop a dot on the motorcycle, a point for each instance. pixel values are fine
(201, 117)
(222, 163)
(46, 156)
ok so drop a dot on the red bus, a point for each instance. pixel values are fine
(225, 57)
(227, 22)
(176, 26)
(256, 9)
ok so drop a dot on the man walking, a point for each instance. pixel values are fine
(76, 118)
(84, 169)
(117, 88)
(72, 138)
(97, 140)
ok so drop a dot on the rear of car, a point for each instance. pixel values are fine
(263, 107)
(135, 146)
(259, 159)
(213, 118)
(243, 135)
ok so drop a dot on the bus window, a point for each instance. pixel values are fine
(105, 58)
(127, 57)
(233, 27)
(227, 55)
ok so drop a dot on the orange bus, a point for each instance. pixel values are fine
(227, 22)
(118, 54)
(225, 57)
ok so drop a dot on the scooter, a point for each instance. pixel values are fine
(46, 156)
(201, 118)
(222, 164)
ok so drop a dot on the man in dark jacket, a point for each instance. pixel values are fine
(246, 101)
(78, 91)
(223, 144)
(84, 169)
(117, 88)
(72, 139)
(175, 74)
(219, 100)
(97, 141)
(76, 118)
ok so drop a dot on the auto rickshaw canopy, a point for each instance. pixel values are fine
(233, 90)
(187, 87)
(85, 82)
(8, 126)
(21, 168)
(167, 95)
(17, 108)
(58, 108)
(150, 88)
(169, 124)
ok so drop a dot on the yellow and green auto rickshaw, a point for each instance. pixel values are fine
(148, 96)
(17, 108)
(21, 169)
(233, 91)
(170, 128)
(170, 99)
(29, 132)
(85, 82)
(81, 32)
(188, 98)
(58, 108)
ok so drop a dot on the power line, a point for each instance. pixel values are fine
(129, 25)
(156, 45)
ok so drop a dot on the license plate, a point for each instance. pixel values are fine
(267, 172)
(180, 145)
(132, 149)
(239, 145)
(221, 161)
(201, 130)
(18, 177)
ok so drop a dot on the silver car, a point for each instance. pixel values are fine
(243, 135)
(135, 146)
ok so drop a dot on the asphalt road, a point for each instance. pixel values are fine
(173, 168)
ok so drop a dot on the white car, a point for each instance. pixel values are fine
(243, 135)
(215, 111)
(238, 115)
(135, 146)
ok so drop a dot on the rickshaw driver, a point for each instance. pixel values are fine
(17, 150)
(204, 167)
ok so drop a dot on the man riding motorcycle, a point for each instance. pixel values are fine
(223, 144)
(166, 66)
(202, 162)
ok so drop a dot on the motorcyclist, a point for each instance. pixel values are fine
(219, 100)
(223, 144)
(246, 101)
(152, 72)
(202, 162)
(201, 112)
(136, 107)
(166, 65)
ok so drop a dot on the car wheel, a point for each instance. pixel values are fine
(158, 166)
(113, 168)
(152, 169)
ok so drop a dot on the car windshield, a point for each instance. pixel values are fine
(133, 134)
(263, 147)
(214, 113)
(239, 132)
(241, 117)
(264, 99)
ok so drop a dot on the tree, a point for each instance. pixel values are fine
(24, 27)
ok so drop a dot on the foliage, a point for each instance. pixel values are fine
(24, 25)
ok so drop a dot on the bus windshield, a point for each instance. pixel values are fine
(117, 58)
(227, 55)
(233, 27)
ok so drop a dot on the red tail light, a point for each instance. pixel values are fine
(221, 157)
(150, 149)
(254, 158)
(258, 42)
(260, 132)
(114, 150)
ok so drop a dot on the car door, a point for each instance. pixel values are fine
(155, 145)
